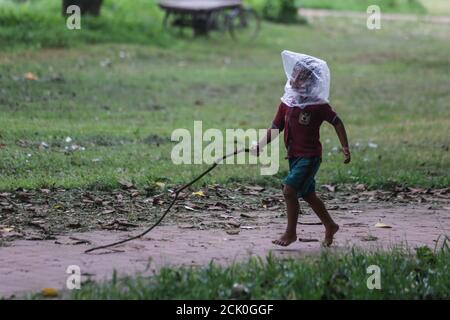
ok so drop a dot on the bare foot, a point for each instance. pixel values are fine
(329, 234)
(285, 240)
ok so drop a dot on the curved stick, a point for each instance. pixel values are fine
(177, 192)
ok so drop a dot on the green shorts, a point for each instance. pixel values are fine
(301, 174)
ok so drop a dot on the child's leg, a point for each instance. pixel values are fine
(319, 208)
(290, 195)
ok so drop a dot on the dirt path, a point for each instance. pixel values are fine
(318, 13)
(32, 265)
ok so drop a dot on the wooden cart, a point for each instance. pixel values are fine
(206, 16)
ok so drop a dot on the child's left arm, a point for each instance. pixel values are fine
(342, 135)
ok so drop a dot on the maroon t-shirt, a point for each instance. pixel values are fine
(301, 128)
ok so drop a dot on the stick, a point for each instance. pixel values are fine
(177, 192)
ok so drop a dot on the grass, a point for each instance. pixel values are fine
(403, 275)
(121, 102)
(392, 6)
(39, 23)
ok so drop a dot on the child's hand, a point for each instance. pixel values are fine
(255, 150)
(347, 157)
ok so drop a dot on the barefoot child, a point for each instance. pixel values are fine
(304, 106)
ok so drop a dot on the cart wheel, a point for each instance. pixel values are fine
(244, 24)
(218, 24)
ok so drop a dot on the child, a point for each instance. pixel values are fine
(304, 106)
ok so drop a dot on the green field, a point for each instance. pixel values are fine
(403, 275)
(121, 102)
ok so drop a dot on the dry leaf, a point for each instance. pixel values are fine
(125, 184)
(198, 194)
(234, 223)
(369, 238)
(49, 292)
(162, 185)
(329, 187)
(382, 225)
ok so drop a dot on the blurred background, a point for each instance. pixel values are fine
(91, 107)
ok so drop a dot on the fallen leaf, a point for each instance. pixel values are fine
(6, 229)
(125, 184)
(255, 188)
(234, 223)
(369, 238)
(58, 206)
(248, 227)
(49, 292)
(161, 185)
(329, 187)
(198, 194)
(382, 225)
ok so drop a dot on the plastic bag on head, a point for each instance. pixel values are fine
(308, 80)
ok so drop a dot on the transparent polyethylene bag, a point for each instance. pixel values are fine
(308, 80)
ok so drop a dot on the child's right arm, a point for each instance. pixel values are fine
(271, 133)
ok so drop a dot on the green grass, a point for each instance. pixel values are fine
(39, 23)
(403, 275)
(390, 87)
(397, 6)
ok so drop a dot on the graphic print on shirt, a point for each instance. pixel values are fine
(304, 118)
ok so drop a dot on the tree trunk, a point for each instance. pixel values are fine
(91, 7)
